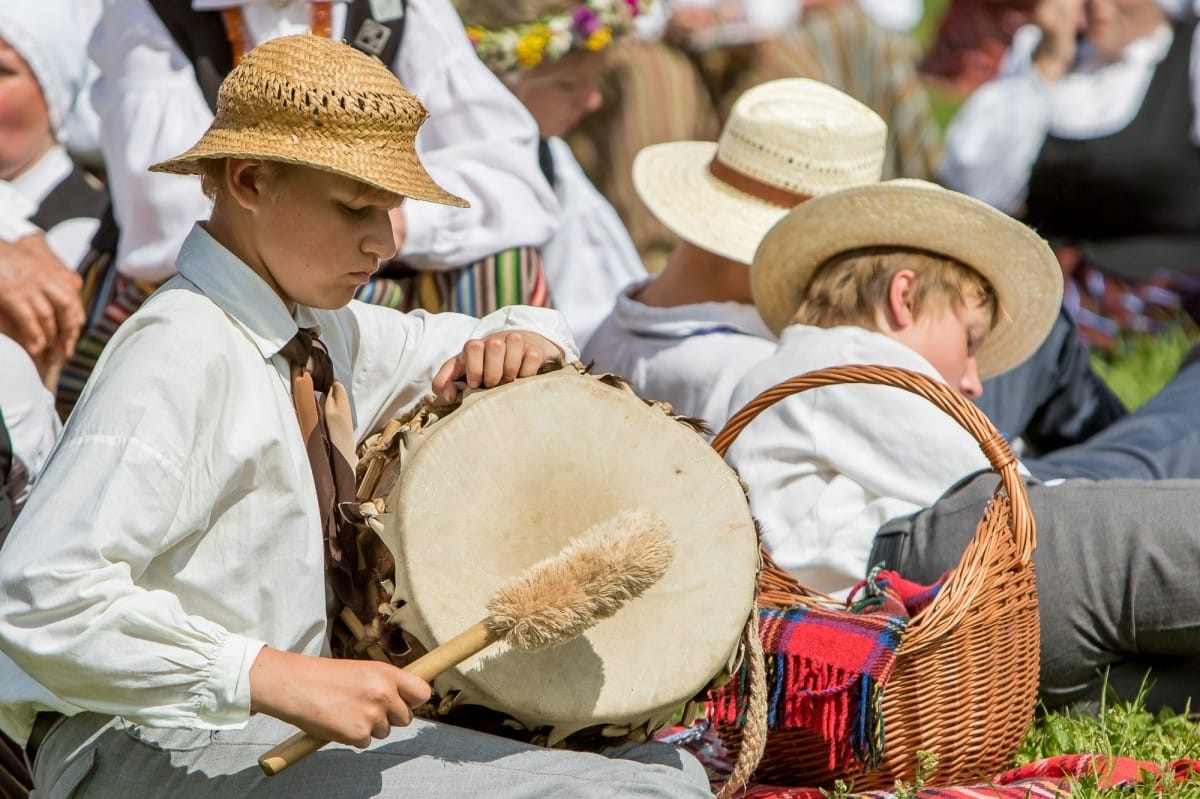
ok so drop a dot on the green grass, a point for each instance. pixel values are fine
(1141, 365)
(1117, 729)
(1123, 729)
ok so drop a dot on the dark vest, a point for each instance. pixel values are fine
(77, 195)
(201, 37)
(1130, 199)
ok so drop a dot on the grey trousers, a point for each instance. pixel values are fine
(1076, 427)
(92, 755)
(1158, 441)
(1117, 564)
(1054, 399)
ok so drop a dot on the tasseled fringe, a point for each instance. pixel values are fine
(845, 709)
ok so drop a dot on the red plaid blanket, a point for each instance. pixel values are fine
(1043, 779)
(826, 667)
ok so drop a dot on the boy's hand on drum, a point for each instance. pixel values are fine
(496, 359)
(348, 701)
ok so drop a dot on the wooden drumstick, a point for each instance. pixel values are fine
(551, 602)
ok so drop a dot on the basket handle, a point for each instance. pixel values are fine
(994, 446)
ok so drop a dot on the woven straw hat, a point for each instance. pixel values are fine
(785, 141)
(915, 214)
(311, 101)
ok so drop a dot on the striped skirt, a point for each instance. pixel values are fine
(512, 277)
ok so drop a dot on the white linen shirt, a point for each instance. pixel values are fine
(176, 529)
(479, 141)
(828, 466)
(995, 138)
(591, 257)
(691, 356)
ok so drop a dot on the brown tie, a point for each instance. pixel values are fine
(328, 434)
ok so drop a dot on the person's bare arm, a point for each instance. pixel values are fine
(348, 701)
(1060, 21)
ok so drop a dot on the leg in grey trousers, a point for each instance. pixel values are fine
(109, 757)
(1116, 565)
(1158, 441)
(1054, 399)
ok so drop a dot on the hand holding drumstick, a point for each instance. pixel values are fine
(550, 603)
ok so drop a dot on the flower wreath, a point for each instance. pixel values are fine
(591, 26)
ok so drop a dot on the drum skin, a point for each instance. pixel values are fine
(513, 474)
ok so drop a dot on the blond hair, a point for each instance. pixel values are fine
(212, 173)
(852, 288)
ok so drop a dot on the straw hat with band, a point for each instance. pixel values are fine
(915, 214)
(311, 101)
(785, 141)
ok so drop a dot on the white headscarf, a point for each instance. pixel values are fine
(46, 35)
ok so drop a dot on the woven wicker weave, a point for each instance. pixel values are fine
(966, 673)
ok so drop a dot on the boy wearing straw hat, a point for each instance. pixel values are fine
(907, 274)
(163, 597)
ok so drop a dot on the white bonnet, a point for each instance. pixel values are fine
(47, 35)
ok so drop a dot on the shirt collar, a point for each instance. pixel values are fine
(240, 292)
(685, 321)
(821, 347)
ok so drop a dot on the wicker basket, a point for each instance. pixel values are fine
(965, 677)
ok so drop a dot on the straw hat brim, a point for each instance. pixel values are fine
(901, 213)
(674, 182)
(392, 169)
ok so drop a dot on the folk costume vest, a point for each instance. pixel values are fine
(1130, 200)
(77, 195)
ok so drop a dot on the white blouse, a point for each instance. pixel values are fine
(70, 239)
(590, 257)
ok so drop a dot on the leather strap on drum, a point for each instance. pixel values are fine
(756, 188)
(328, 433)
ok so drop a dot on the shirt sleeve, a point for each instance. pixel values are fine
(150, 109)
(479, 143)
(996, 136)
(129, 483)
